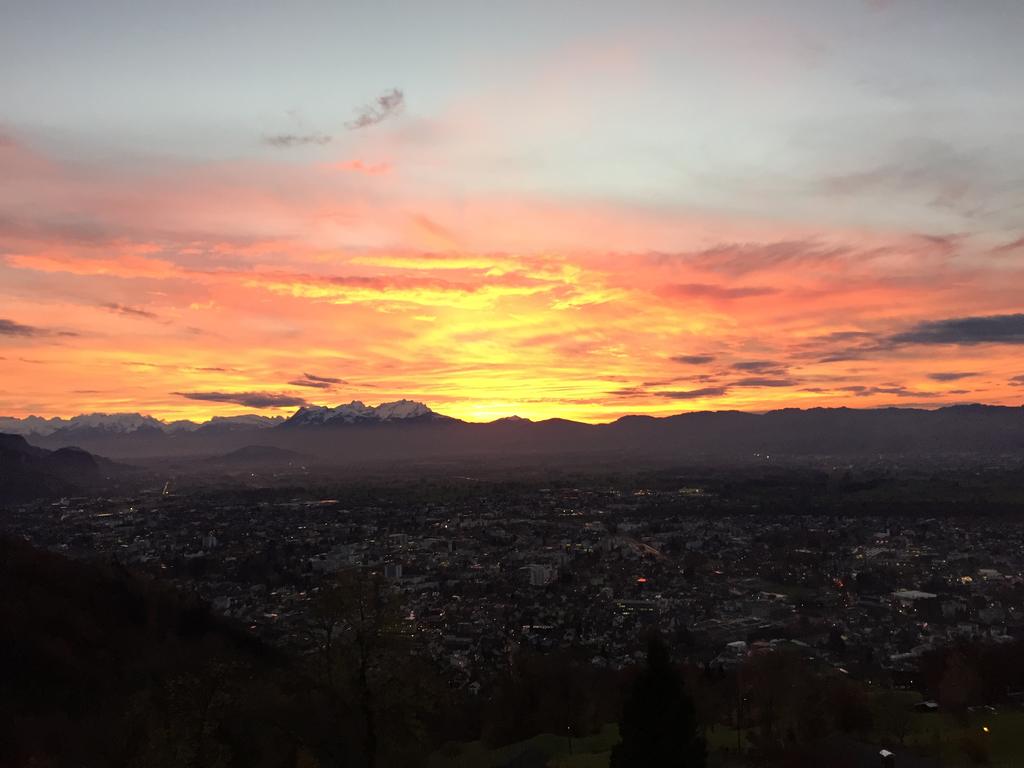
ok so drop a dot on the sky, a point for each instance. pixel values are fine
(574, 209)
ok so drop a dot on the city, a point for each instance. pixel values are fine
(725, 563)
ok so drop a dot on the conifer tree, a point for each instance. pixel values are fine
(659, 724)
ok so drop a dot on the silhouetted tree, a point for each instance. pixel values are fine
(658, 726)
(374, 694)
(895, 717)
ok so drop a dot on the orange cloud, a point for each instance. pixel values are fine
(481, 305)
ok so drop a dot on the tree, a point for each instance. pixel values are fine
(373, 695)
(895, 717)
(658, 726)
(960, 684)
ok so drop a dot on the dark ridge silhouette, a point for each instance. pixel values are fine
(259, 455)
(100, 666)
(969, 429)
(28, 472)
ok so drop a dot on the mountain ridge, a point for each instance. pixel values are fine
(408, 430)
(28, 471)
(403, 409)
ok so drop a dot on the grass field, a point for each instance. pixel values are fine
(943, 735)
(936, 734)
(590, 752)
(587, 752)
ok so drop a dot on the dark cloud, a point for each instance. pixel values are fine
(310, 383)
(387, 104)
(693, 394)
(973, 184)
(685, 394)
(897, 390)
(248, 399)
(844, 336)
(759, 366)
(708, 290)
(629, 392)
(745, 258)
(11, 328)
(951, 375)
(317, 382)
(70, 228)
(1017, 381)
(694, 359)
(703, 378)
(963, 331)
(323, 379)
(838, 346)
(815, 346)
(764, 381)
(990, 329)
(1010, 247)
(842, 357)
(285, 140)
(122, 309)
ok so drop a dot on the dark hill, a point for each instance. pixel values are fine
(253, 456)
(104, 668)
(28, 472)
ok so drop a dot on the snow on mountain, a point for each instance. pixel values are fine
(121, 423)
(129, 423)
(402, 409)
(322, 414)
(182, 425)
(126, 423)
(359, 412)
(30, 425)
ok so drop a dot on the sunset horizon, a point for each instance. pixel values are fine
(763, 209)
(283, 413)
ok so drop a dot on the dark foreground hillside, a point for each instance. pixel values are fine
(101, 667)
(28, 472)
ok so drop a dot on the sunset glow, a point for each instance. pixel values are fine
(596, 231)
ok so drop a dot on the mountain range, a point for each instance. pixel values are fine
(407, 430)
(124, 423)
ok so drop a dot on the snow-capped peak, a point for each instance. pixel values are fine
(113, 422)
(402, 409)
(30, 425)
(121, 423)
(357, 411)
